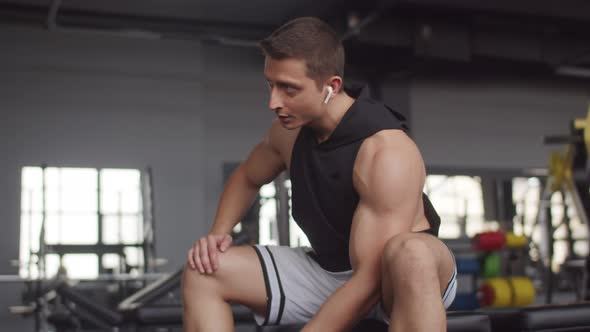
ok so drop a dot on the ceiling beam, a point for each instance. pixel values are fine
(166, 27)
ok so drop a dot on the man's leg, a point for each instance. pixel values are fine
(238, 279)
(416, 269)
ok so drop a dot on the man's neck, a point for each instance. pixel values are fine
(335, 110)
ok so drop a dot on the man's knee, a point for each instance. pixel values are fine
(218, 283)
(197, 284)
(408, 254)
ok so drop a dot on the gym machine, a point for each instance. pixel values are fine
(569, 175)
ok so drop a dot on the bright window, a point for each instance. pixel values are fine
(268, 231)
(459, 203)
(89, 213)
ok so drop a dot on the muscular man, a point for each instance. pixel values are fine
(357, 182)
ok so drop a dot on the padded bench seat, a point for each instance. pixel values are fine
(456, 322)
(468, 321)
(546, 318)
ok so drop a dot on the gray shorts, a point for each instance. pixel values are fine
(296, 286)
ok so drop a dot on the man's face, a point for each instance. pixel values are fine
(294, 97)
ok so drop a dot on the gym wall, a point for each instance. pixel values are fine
(97, 100)
(492, 122)
(184, 108)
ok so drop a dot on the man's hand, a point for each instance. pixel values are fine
(203, 256)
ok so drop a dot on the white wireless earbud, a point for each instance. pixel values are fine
(329, 95)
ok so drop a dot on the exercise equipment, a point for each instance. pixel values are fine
(496, 293)
(514, 241)
(468, 268)
(545, 318)
(502, 261)
(569, 175)
(159, 305)
(468, 322)
(492, 265)
(465, 301)
(523, 291)
(149, 221)
(489, 241)
(125, 277)
(467, 265)
(504, 292)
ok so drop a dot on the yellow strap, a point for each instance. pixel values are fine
(583, 124)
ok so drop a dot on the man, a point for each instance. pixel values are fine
(357, 182)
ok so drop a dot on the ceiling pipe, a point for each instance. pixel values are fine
(52, 25)
(573, 71)
(229, 41)
(355, 24)
(52, 15)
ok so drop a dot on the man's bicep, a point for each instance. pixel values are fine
(371, 229)
(390, 194)
(263, 164)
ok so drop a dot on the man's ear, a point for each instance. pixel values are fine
(335, 82)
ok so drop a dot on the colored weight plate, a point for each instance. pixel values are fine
(501, 290)
(489, 241)
(514, 241)
(486, 295)
(492, 265)
(467, 265)
(524, 291)
(464, 301)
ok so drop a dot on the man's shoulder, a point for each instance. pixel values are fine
(387, 157)
(387, 141)
(387, 147)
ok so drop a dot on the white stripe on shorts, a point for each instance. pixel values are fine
(275, 305)
(451, 290)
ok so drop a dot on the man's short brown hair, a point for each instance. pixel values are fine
(309, 39)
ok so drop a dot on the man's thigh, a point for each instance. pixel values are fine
(238, 279)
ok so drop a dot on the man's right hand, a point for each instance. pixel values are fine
(203, 256)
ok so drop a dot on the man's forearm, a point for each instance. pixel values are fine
(349, 304)
(236, 199)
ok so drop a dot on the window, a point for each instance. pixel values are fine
(93, 221)
(459, 202)
(525, 194)
(268, 231)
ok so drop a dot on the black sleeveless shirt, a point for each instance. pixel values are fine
(323, 197)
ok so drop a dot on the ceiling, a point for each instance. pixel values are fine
(538, 37)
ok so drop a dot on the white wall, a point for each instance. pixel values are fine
(396, 94)
(235, 113)
(492, 122)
